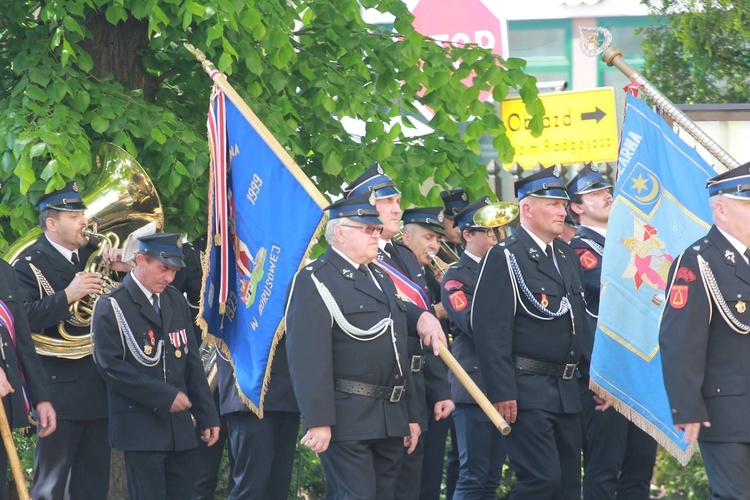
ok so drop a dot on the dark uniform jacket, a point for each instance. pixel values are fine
(140, 396)
(507, 324)
(278, 397)
(432, 380)
(589, 245)
(76, 388)
(23, 357)
(457, 296)
(321, 353)
(704, 361)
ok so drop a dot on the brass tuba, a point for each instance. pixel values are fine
(122, 199)
(497, 216)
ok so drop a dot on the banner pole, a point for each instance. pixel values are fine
(612, 56)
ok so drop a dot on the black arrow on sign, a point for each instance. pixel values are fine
(596, 115)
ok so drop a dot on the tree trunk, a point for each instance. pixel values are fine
(115, 51)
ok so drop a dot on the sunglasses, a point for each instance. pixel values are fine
(377, 230)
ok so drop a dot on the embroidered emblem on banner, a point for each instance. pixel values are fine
(678, 296)
(458, 300)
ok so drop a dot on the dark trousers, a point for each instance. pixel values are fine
(481, 454)
(76, 455)
(618, 456)
(434, 458)
(544, 449)
(362, 470)
(409, 479)
(451, 465)
(160, 475)
(263, 451)
(728, 469)
(209, 461)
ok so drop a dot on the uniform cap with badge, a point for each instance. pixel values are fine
(165, 247)
(546, 183)
(454, 200)
(428, 217)
(67, 198)
(732, 184)
(360, 207)
(375, 181)
(587, 180)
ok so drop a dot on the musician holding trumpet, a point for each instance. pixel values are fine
(51, 278)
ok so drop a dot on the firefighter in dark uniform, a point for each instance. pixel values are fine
(404, 265)
(346, 341)
(262, 448)
(480, 447)
(145, 349)
(528, 319)
(423, 228)
(704, 342)
(454, 201)
(618, 456)
(74, 461)
(22, 384)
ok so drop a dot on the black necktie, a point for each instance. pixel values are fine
(155, 302)
(389, 249)
(551, 257)
(747, 254)
(363, 269)
(75, 260)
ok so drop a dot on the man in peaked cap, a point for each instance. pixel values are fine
(703, 337)
(480, 447)
(351, 374)
(423, 228)
(145, 349)
(74, 460)
(618, 456)
(528, 320)
(454, 201)
(401, 264)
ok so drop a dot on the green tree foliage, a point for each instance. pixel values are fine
(700, 51)
(76, 73)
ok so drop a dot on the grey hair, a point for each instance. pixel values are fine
(330, 226)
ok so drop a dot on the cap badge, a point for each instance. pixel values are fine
(464, 197)
(556, 171)
(371, 199)
(179, 244)
(441, 217)
(594, 169)
(75, 186)
(380, 169)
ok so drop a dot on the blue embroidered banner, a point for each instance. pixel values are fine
(659, 207)
(262, 221)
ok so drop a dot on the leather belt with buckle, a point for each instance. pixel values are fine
(417, 363)
(392, 394)
(565, 372)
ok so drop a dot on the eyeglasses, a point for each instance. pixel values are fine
(376, 230)
(490, 233)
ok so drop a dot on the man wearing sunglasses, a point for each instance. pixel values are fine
(346, 343)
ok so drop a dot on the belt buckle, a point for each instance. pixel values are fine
(396, 393)
(417, 362)
(569, 371)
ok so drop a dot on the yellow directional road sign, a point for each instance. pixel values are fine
(578, 127)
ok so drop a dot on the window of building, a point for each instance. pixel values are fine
(546, 47)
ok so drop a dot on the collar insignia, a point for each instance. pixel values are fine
(729, 255)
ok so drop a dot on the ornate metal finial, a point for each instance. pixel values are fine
(594, 41)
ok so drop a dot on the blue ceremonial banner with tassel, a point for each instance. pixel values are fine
(659, 207)
(263, 217)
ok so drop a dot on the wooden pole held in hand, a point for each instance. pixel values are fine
(474, 390)
(10, 449)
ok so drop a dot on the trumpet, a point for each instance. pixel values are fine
(438, 264)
